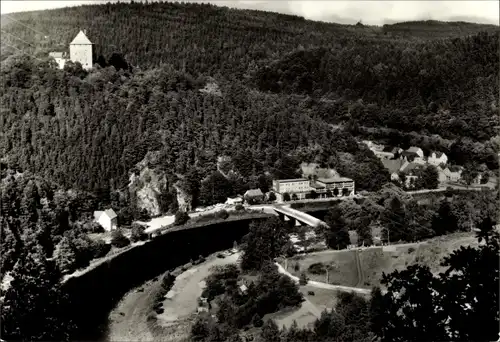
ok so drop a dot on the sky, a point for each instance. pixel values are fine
(345, 12)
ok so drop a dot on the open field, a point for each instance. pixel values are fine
(344, 270)
(376, 260)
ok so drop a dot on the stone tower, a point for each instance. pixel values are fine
(80, 50)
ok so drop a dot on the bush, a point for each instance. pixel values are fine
(310, 293)
(239, 207)
(100, 249)
(137, 233)
(317, 268)
(181, 217)
(272, 197)
(296, 267)
(411, 250)
(223, 214)
(118, 240)
(303, 279)
(257, 321)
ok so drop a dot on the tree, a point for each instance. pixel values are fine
(35, 307)
(272, 197)
(469, 173)
(265, 241)
(257, 321)
(270, 332)
(394, 220)
(65, 256)
(429, 178)
(118, 239)
(286, 197)
(313, 194)
(223, 214)
(444, 221)
(137, 233)
(445, 307)
(345, 192)
(335, 192)
(295, 197)
(364, 231)
(337, 236)
(181, 217)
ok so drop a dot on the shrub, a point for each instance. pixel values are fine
(223, 214)
(220, 255)
(303, 279)
(257, 321)
(159, 311)
(100, 248)
(201, 259)
(181, 217)
(317, 268)
(118, 239)
(239, 207)
(296, 267)
(411, 250)
(310, 293)
(137, 233)
(272, 197)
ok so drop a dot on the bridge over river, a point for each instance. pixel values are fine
(299, 216)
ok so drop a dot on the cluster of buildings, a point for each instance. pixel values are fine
(80, 50)
(411, 161)
(315, 182)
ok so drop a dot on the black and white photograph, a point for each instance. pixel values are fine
(249, 171)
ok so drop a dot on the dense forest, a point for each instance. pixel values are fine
(183, 85)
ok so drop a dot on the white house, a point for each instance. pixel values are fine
(60, 58)
(437, 158)
(234, 201)
(107, 219)
(446, 175)
(416, 150)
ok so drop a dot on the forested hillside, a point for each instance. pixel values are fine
(261, 87)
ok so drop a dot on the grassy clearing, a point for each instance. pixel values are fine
(343, 267)
(322, 298)
(378, 260)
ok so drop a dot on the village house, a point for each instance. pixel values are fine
(437, 158)
(451, 174)
(107, 219)
(80, 50)
(413, 155)
(393, 166)
(411, 172)
(253, 196)
(234, 200)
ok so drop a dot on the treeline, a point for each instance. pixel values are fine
(88, 130)
(375, 76)
(444, 87)
(401, 218)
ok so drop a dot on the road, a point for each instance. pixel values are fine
(323, 285)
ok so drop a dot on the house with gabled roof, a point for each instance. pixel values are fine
(437, 158)
(253, 196)
(393, 166)
(107, 219)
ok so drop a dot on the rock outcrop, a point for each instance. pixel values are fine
(148, 184)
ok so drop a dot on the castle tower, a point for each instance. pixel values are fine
(80, 50)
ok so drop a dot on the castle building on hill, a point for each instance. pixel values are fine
(80, 50)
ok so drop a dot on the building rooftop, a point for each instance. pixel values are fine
(438, 154)
(56, 54)
(392, 165)
(254, 192)
(412, 167)
(413, 149)
(292, 180)
(81, 39)
(111, 213)
(316, 186)
(334, 180)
